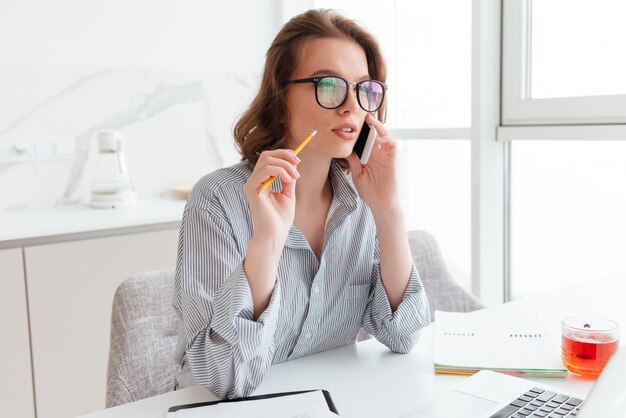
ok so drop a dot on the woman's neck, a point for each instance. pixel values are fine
(314, 195)
(314, 182)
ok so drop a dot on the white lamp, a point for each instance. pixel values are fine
(111, 187)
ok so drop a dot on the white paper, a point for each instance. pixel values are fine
(304, 405)
(496, 341)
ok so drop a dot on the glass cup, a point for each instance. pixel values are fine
(587, 343)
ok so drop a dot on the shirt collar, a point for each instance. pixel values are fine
(343, 187)
(345, 201)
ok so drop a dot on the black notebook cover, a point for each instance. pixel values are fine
(329, 401)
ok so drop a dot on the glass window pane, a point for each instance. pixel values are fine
(427, 45)
(433, 67)
(568, 213)
(578, 48)
(434, 183)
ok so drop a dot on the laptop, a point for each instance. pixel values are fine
(489, 394)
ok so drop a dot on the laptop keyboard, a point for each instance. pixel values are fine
(540, 403)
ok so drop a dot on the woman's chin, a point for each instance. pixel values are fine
(344, 153)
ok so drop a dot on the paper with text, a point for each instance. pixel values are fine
(515, 343)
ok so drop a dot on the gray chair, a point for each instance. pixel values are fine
(144, 335)
(443, 292)
(144, 326)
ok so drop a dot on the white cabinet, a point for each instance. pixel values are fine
(16, 388)
(70, 291)
(59, 268)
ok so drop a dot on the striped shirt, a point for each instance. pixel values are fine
(315, 305)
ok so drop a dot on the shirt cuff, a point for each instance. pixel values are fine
(233, 311)
(400, 329)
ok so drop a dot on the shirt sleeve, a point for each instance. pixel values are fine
(228, 352)
(400, 329)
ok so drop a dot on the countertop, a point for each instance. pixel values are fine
(20, 228)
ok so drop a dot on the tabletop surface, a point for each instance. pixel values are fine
(44, 225)
(367, 380)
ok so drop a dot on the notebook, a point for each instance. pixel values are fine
(489, 394)
(512, 344)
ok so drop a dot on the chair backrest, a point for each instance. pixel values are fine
(443, 292)
(144, 336)
(144, 325)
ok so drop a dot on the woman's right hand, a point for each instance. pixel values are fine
(272, 215)
(273, 212)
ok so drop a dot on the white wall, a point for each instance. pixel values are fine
(172, 76)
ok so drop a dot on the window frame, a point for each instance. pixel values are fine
(518, 108)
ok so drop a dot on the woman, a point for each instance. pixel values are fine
(266, 275)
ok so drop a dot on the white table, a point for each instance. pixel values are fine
(367, 380)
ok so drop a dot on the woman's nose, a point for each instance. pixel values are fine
(351, 103)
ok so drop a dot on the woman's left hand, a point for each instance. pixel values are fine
(376, 181)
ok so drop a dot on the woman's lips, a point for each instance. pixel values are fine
(347, 136)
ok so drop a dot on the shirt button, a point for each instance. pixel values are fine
(307, 335)
(316, 289)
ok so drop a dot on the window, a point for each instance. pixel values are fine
(578, 48)
(434, 177)
(567, 213)
(564, 62)
(564, 114)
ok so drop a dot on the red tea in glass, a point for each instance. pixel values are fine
(587, 344)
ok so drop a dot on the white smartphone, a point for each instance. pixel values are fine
(365, 143)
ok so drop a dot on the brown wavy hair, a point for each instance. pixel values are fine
(264, 125)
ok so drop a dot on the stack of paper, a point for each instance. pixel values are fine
(523, 345)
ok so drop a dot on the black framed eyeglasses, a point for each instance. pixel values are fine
(331, 92)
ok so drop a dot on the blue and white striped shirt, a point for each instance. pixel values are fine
(315, 305)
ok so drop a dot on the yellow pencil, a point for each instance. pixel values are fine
(299, 148)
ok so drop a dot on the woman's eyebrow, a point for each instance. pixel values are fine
(335, 73)
(324, 72)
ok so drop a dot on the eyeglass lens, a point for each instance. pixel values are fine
(332, 92)
(370, 94)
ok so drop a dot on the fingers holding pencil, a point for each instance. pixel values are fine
(296, 151)
(275, 163)
(273, 213)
